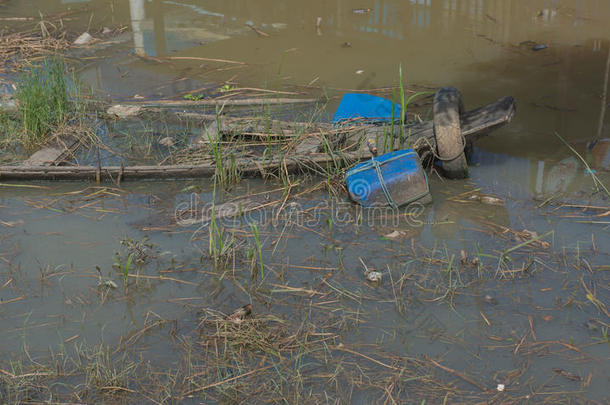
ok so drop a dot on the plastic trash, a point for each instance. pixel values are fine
(83, 39)
(394, 179)
(365, 106)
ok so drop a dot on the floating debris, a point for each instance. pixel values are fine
(104, 283)
(490, 300)
(124, 111)
(258, 32)
(465, 260)
(501, 387)
(528, 234)
(464, 257)
(528, 43)
(539, 47)
(83, 39)
(567, 374)
(491, 18)
(373, 276)
(395, 235)
(532, 236)
(361, 10)
(547, 14)
(346, 45)
(168, 141)
(11, 224)
(139, 250)
(240, 314)
(487, 199)
(107, 284)
(319, 26)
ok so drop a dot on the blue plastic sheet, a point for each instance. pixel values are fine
(369, 107)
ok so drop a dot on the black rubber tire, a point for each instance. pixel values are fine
(448, 107)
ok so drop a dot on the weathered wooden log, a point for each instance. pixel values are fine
(105, 173)
(245, 102)
(112, 173)
(474, 123)
(247, 166)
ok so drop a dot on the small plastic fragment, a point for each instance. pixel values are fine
(83, 39)
(373, 276)
(539, 47)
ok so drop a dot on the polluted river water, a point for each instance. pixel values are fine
(497, 292)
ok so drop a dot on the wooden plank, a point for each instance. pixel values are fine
(474, 123)
(247, 166)
(225, 102)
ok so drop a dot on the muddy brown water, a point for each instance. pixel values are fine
(53, 238)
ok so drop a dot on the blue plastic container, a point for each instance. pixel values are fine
(393, 179)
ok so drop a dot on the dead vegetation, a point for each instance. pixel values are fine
(42, 39)
(312, 330)
(21, 48)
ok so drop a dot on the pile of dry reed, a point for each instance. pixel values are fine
(20, 48)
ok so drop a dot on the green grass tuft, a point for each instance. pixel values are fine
(43, 101)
